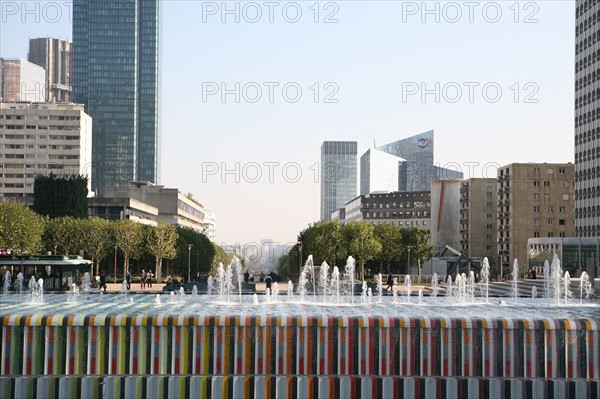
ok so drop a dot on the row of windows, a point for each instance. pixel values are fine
(561, 209)
(536, 234)
(587, 135)
(537, 196)
(587, 117)
(585, 6)
(586, 97)
(402, 215)
(40, 117)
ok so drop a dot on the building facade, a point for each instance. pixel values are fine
(576, 254)
(380, 171)
(116, 74)
(587, 119)
(418, 168)
(39, 139)
(478, 213)
(55, 56)
(209, 225)
(445, 214)
(402, 209)
(338, 175)
(22, 80)
(534, 200)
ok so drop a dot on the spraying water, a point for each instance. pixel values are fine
(335, 284)
(7, 282)
(567, 287)
(449, 287)
(547, 283)
(275, 291)
(157, 299)
(534, 292)
(585, 287)
(369, 295)
(363, 295)
(19, 282)
(379, 287)
(302, 281)
(290, 291)
(470, 289)
(349, 275)
(394, 293)
(221, 284)
(434, 287)
(485, 279)
(309, 269)
(324, 279)
(86, 283)
(239, 274)
(210, 282)
(555, 280)
(515, 279)
(420, 296)
(73, 293)
(407, 287)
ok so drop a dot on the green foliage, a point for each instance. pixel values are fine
(97, 239)
(220, 257)
(361, 243)
(418, 240)
(20, 229)
(200, 256)
(64, 235)
(128, 237)
(161, 241)
(390, 238)
(59, 196)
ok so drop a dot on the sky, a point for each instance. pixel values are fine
(252, 89)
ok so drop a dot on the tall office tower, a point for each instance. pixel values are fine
(116, 74)
(54, 55)
(587, 119)
(21, 80)
(380, 171)
(338, 175)
(419, 169)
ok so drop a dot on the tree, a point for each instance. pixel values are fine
(161, 241)
(390, 238)
(202, 252)
(220, 257)
(128, 238)
(418, 242)
(97, 235)
(327, 241)
(21, 229)
(64, 235)
(361, 243)
(60, 196)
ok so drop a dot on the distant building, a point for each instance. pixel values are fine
(478, 212)
(39, 139)
(209, 226)
(172, 206)
(445, 214)
(55, 56)
(576, 254)
(587, 117)
(402, 209)
(535, 200)
(338, 175)
(380, 171)
(116, 74)
(22, 80)
(420, 169)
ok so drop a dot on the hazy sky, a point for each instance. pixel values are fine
(493, 79)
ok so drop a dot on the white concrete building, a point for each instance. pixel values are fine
(42, 138)
(210, 225)
(22, 80)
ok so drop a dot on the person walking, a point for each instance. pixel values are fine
(102, 282)
(143, 280)
(150, 275)
(128, 279)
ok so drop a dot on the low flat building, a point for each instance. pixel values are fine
(576, 255)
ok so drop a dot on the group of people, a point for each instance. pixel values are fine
(146, 279)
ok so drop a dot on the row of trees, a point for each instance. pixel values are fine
(384, 246)
(26, 232)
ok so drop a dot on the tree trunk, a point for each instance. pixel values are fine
(158, 270)
(419, 268)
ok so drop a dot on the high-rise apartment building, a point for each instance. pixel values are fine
(587, 119)
(338, 175)
(534, 200)
(55, 56)
(41, 138)
(116, 74)
(478, 213)
(22, 80)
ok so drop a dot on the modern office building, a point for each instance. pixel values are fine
(116, 74)
(55, 56)
(402, 209)
(478, 212)
(338, 175)
(172, 206)
(209, 225)
(380, 171)
(416, 168)
(587, 119)
(535, 200)
(41, 138)
(576, 254)
(22, 80)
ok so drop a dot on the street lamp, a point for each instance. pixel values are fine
(408, 265)
(115, 266)
(189, 260)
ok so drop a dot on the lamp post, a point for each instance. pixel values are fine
(115, 265)
(197, 260)
(408, 264)
(189, 261)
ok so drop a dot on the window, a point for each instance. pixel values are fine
(565, 184)
(550, 171)
(562, 235)
(561, 222)
(536, 222)
(536, 183)
(536, 197)
(550, 234)
(536, 234)
(562, 209)
(536, 209)
(561, 171)
(546, 197)
(550, 209)
(550, 222)
(565, 197)
(546, 183)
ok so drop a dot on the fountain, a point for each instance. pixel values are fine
(515, 279)
(324, 279)
(275, 292)
(36, 290)
(195, 295)
(533, 292)
(449, 287)
(205, 346)
(86, 284)
(485, 279)
(290, 291)
(239, 274)
(349, 277)
(210, 284)
(19, 283)
(379, 287)
(567, 287)
(73, 293)
(7, 283)
(555, 281)
(585, 287)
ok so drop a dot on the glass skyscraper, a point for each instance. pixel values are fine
(116, 74)
(338, 175)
